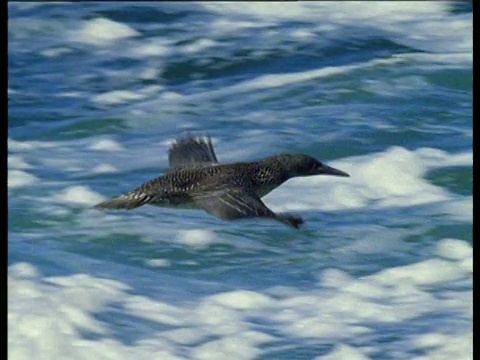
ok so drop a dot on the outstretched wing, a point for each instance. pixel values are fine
(130, 200)
(236, 203)
(191, 151)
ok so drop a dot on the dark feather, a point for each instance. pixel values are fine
(236, 203)
(127, 201)
(191, 151)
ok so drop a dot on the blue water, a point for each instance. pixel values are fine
(382, 268)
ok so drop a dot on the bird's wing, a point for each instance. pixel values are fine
(131, 200)
(237, 203)
(191, 151)
(146, 194)
(232, 203)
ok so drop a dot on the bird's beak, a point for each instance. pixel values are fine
(327, 170)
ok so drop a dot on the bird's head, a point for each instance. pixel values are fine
(304, 165)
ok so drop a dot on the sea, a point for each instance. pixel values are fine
(382, 267)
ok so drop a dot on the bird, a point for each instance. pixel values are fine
(230, 191)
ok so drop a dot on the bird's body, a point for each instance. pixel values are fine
(180, 186)
(230, 191)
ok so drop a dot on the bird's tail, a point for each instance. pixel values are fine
(126, 201)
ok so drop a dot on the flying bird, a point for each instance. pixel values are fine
(195, 179)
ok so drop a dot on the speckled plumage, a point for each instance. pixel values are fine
(229, 191)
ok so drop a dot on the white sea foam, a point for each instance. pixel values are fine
(398, 87)
(263, 82)
(158, 262)
(227, 26)
(458, 209)
(242, 299)
(196, 238)
(101, 31)
(302, 34)
(151, 89)
(104, 168)
(184, 336)
(56, 52)
(354, 10)
(241, 346)
(14, 145)
(454, 249)
(20, 178)
(433, 346)
(23, 270)
(434, 158)
(106, 145)
(453, 60)
(17, 162)
(428, 272)
(117, 97)
(171, 95)
(342, 351)
(198, 46)
(150, 73)
(101, 155)
(72, 94)
(157, 311)
(26, 5)
(153, 48)
(78, 195)
(400, 22)
(58, 310)
(335, 278)
(338, 308)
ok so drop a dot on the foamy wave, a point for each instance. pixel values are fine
(198, 46)
(155, 47)
(116, 97)
(50, 314)
(17, 162)
(436, 31)
(46, 318)
(343, 351)
(278, 80)
(102, 31)
(78, 195)
(19, 178)
(106, 145)
(56, 52)
(242, 299)
(356, 10)
(454, 249)
(104, 169)
(196, 238)
(26, 146)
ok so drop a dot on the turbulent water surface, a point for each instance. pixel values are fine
(382, 269)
